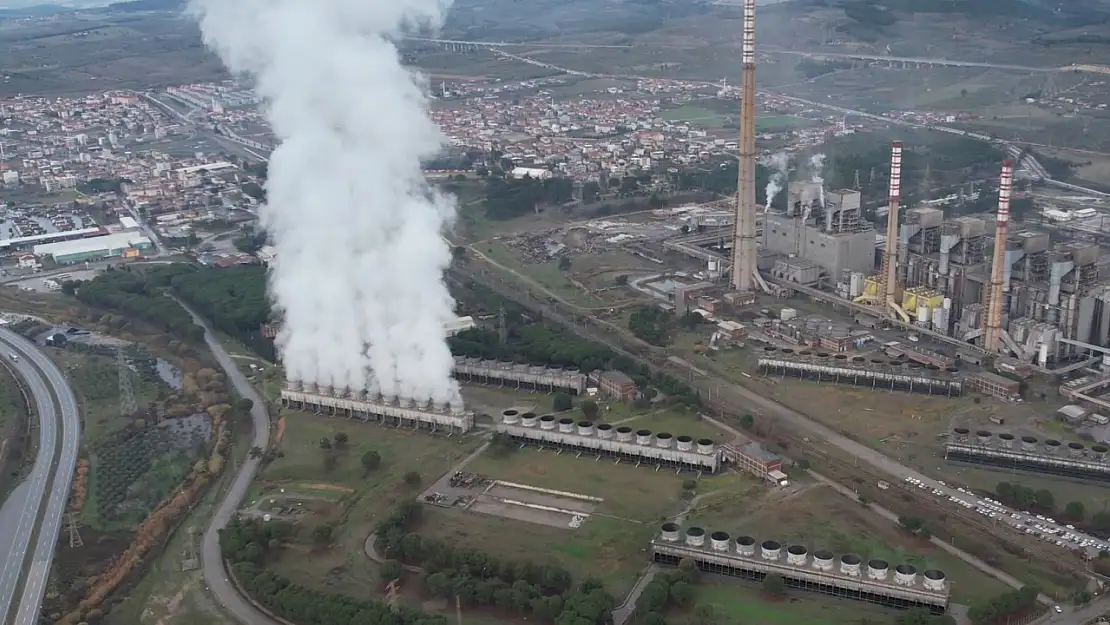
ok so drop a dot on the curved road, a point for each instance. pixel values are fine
(212, 563)
(54, 400)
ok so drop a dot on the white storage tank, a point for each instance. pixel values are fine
(624, 434)
(529, 419)
(797, 555)
(663, 440)
(745, 546)
(770, 550)
(643, 437)
(705, 446)
(685, 443)
(604, 431)
(585, 428)
(510, 417)
(566, 425)
(311, 388)
(547, 422)
(719, 541)
(905, 575)
(849, 564)
(823, 560)
(787, 314)
(670, 532)
(922, 315)
(934, 580)
(293, 385)
(695, 537)
(877, 569)
(855, 285)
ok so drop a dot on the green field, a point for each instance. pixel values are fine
(694, 114)
(778, 123)
(741, 604)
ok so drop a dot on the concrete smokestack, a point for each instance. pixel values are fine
(744, 247)
(888, 274)
(993, 335)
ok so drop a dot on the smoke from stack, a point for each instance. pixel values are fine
(779, 164)
(360, 283)
(817, 165)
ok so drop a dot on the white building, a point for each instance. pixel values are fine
(531, 172)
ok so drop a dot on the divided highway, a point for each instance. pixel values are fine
(23, 582)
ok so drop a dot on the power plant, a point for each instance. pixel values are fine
(821, 572)
(876, 373)
(744, 248)
(519, 376)
(602, 440)
(1027, 453)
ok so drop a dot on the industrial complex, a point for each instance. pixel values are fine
(822, 572)
(1027, 453)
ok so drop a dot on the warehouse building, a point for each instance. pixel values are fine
(122, 245)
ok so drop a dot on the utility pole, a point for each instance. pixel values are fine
(458, 611)
(502, 329)
(127, 405)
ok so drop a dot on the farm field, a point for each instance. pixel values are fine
(694, 114)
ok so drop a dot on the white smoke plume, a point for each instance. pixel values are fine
(817, 165)
(359, 282)
(779, 164)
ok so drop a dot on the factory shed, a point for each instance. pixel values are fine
(991, 384)
(124, 244)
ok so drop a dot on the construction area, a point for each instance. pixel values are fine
(530, 504)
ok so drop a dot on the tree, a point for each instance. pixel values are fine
(341, 439)
(682, 593)
(325, 443)
(1101, 521)
(371, 460)
(1045, 500)
(391, 570)
(256, 452)
(774, 585)
(1075, 511)
(322, 535)
(747, 421)
(244, 405)
(704, 614)
(589, 408)
(562, 402)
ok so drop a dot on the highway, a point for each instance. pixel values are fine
(50, 481)
(212, 563)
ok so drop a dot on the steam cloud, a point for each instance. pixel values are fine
(817, 164)
(359, 278)
(779, 163)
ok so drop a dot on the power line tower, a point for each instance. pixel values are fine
(127, 405)
(74, 536)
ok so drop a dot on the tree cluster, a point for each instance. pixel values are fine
(233, 299)
(651, 324)
(140, 295)
(915, 525)
(1025, 498)
(507, 198)
(1004, 607)
(477, 578)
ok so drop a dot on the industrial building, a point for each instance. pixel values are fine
(822, 572)
(877, 373)
(370, 406)
(121, 245)
(825, 230)
(519, 376)
(754, 459)
(603, 440)
(1027, 453)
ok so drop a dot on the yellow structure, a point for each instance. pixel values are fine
(918, 297)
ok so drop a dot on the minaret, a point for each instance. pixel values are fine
(992, 337)
(744, 247)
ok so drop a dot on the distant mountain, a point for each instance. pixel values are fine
(148, 5)
(33, 11)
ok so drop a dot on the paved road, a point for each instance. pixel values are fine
(46, 383)
(212, 564)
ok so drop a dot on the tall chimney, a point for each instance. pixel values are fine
(889, 271)
(743, 249)
(993, 334)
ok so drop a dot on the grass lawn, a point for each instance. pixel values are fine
(693, 114)
(739, 603)
(776, 123)
(547, 274)
(631, 492)
(13, 422)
